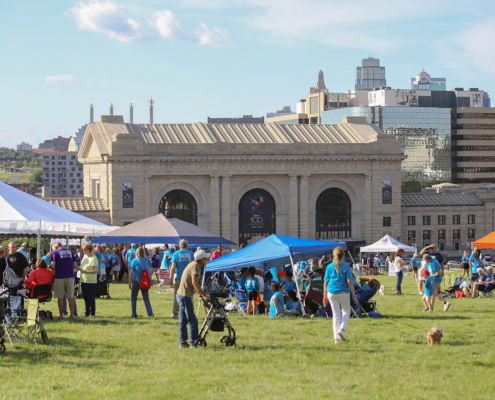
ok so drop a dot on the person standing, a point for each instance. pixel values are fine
(435, 270)
(336, 287)
(276, 301)
(108, 264)
(465, 264)
(3, 263)
(155, 263)
(252, 288)
(475, 262)
(180, 260)
(138, 265)
(167, 258)
(400, 267)
(17, 261)
(24, 251)
(188, 283)
(124, 269)
(89, 276)
(130, 255)
(63, 262)
(217, 253)
(115, 263)
(435, 254)
(267, 292)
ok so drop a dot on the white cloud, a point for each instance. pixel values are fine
(216, 37)
(108, 18)
(167, 26)
(478, 45)
(105, 80)
(53, 79)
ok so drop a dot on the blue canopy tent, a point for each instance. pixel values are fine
(273, 251)
(162, 228)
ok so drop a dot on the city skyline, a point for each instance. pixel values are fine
(218, 58)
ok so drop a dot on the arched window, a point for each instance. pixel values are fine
(333, 215)
(256, 215)
(180, 204)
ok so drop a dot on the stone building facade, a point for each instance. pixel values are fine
(309, 181)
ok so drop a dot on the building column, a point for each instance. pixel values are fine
(293, 220)
(147, 205)
(367, 215)
(304, 207)
(214, 206)
(226, 208)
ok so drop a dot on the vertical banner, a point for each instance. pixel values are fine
(128, 194)
(257, 213)
(386, 191)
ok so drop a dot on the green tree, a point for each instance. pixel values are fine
(36, 180)
(411, 186)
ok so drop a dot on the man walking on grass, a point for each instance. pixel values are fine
(180, 260)
(188, 283)
(63, 262)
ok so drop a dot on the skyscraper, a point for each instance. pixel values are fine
(320, 85)
(370, 75)
(424, 81)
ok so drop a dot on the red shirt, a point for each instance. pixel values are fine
(39, 276)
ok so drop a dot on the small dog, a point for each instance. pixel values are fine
(382, 290)
(433, 336)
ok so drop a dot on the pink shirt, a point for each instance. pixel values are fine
(216, 254)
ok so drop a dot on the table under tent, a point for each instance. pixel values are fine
(387, 244)
(271, 252)
(27, 216)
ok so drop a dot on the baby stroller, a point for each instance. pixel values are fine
(216, 320)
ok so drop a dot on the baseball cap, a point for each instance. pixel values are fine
(24, 244)
(201, 254)
(133, 245)
(2, 249)
(425, 273)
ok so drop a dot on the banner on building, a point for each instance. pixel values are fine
(257, 212)
(386, 191)
(128, 194)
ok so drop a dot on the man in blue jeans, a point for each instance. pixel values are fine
(190, 281)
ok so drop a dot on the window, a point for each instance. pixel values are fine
(441, 234)
(180, 204)
(442, 246)
(441, 220)
(387, 221)
(471, 219)
(426, 220)
(426, 235)
(71, 174)
(411, 220)
(73, 169)
(71, 187)
(333, 214)
(72, 157)
(457, 234)
(80, 180)
(471, 233)
(78, 175)
(457, 219)
(71, 163)
(411, 235)
(456, 246)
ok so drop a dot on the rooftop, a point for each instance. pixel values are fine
(78, 204)
(440, 200)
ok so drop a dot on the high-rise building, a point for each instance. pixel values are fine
(57, 144)
(370, 75)
(76, 139)
(424, 81)
(62, 175)
(320, 85)
(473, 144)
(486, 100)
(24, 148)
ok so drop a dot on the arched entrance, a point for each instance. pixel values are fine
(256, 215)
(333, 215)
(180, 204)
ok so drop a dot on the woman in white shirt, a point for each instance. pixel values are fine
(400, 267)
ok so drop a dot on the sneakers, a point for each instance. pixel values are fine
(426, 309)
(342, 335)
(446, 306)
(173, 316)
(420, 292)
(339, 341)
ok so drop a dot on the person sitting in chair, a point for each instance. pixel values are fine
(293, 306)
(241, 282)
(39, 276)
(484, 281)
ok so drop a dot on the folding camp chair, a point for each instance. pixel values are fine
(365, 305)
(27, 329)
(458, 282)
(313, 303)
(487, 292)
(241, 301)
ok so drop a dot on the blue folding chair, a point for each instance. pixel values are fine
(365, 302)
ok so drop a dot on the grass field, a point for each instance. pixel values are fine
(23, 178)
(114, 357)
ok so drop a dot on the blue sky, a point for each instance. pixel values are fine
(200, 58)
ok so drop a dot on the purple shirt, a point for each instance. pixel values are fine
(155, 260)
(64, 263)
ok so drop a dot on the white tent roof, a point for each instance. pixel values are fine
(23, 213)
(387, 243)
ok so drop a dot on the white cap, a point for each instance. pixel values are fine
(24, 244)
(201, 254)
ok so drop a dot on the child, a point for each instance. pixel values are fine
(267, 293)
(293, 304)
(429, 291)
(288, 283)
(277, 301)
(252, 286)
(415, 265)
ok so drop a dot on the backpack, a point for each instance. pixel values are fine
(145, 282)
(10, 278)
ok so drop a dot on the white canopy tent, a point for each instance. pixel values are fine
(386, 244)
(23, 215)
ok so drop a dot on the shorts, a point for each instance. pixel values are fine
(116, 268)
(252, 295)
(437, 286)
(267, 303)
(64, 286)
(415, 269)
(465, 266)
(153, 271)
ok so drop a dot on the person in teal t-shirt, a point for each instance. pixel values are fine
(435, 270)
(277, 301)
(267, 292)
(180, 261)
(252, 288)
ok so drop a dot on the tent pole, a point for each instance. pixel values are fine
(38, 247)
(297, 285)
(353, 262)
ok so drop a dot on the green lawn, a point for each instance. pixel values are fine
(23, 178)
(112, 356)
